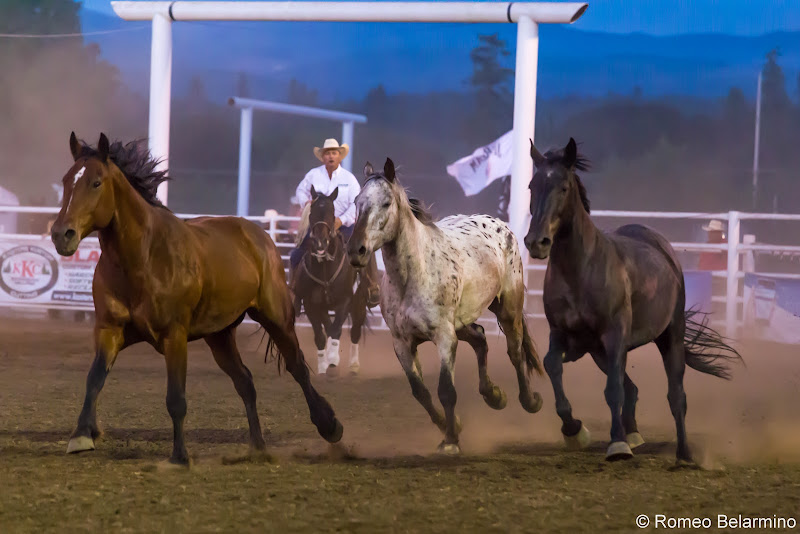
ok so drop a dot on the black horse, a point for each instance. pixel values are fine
(327, 282)
(607, 294)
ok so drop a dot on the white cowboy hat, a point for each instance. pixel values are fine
(714, 225)
(331, 144)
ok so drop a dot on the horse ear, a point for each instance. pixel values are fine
(74, 146)
(314, 193)
(537, 158)
(335, 194)
(368, 170)
(570, 154)
(388, 170)
(102, 148)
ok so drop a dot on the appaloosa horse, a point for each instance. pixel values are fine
(439, 279)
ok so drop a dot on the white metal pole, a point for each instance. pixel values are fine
(245, 149)
(160, 93)
(732, 290)
(756, 142)
(524, 126)
(347, 138)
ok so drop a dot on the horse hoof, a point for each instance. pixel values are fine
(80, 444)
(354, 369)
(332, 371)
(497, 399)
(634, 439)
(176, 464)
(681, 463)
(531, 404)
(619, 450)
(449, 449)
(579, 441)
(336, 435)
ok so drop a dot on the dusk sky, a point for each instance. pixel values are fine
(668, 17)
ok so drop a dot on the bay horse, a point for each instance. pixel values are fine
(607, 294)
(167, 282)
(326, 282)
(439, 279)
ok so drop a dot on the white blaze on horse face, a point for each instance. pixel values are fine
(78, 175)
(75, 179)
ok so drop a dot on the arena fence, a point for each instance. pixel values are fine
(34, 277)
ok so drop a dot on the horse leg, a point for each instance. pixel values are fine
(173, 348)
(510, 318)
(475, 336)
(317, 318)
(275, 314)
(670, 344)
(576, 436)
(358, 315)
(446, 342)
(616, 356)
(334, 334)
(226, 354)
(632, 435)
(406, 351)
(108, 342)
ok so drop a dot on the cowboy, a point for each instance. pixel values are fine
(714, 260)
(324, 179)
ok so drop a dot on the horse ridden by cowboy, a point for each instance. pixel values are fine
(325, 179)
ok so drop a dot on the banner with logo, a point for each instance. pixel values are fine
(485, 165)
(31, 271)
(772, 308)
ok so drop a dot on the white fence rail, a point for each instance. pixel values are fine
(279, 228)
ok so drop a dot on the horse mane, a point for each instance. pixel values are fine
(302, 226)
(137, 165)
(421, 212)
(582, 163)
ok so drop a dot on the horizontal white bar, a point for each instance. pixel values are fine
(771, 248)
(659, 214)
(293, 109)
(543, 12)
(770, 216)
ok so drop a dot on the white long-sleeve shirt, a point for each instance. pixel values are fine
(344, 205)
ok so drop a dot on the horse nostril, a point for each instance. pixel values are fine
(69, 234)
(362, 250)
(545, 242)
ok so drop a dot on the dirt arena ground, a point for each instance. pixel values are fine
(514, 475)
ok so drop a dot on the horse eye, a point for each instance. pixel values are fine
(96, 184)
(564, 189)
(386, 205)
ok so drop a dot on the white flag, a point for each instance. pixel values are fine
(484, 166)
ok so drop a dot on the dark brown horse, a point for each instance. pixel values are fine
(607, 294)
(167, 282)
(326, 282)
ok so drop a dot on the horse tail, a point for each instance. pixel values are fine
(529, 349)
(705, 349)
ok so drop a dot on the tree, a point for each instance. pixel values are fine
(243, 86)
(50, 87)
(301, 95)
(491, 83)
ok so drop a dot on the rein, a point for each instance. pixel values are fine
(326, 256)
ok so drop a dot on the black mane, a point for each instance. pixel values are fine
(582, 163)
(138, 166)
